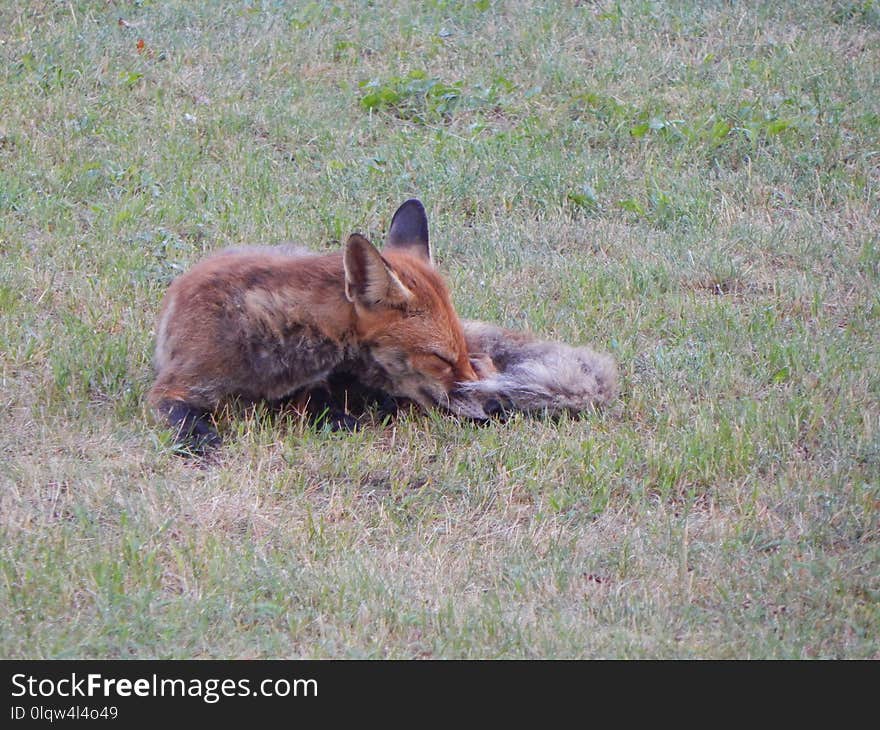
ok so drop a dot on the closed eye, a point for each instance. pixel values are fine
(448, 360)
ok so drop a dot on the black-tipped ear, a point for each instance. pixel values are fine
(369, 280)
(409, 230)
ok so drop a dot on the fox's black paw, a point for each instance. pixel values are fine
(386, 406)
(343, 422)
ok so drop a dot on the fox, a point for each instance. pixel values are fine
(517, 371)
(275, 323)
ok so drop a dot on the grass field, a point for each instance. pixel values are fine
(692, 187)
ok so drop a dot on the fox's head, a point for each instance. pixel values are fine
(404, 315)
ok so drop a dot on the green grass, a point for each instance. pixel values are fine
(693, 187)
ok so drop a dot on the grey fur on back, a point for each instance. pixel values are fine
(538, 375)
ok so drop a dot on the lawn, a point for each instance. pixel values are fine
(691, 187)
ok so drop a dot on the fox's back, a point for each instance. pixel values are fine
(254, 319)
(239, 280)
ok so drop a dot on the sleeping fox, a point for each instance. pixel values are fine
(266, 323)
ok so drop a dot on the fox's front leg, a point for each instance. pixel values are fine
(349, 393)
(320, 406)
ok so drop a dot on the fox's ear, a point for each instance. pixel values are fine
(369, 280)
(409, 230)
